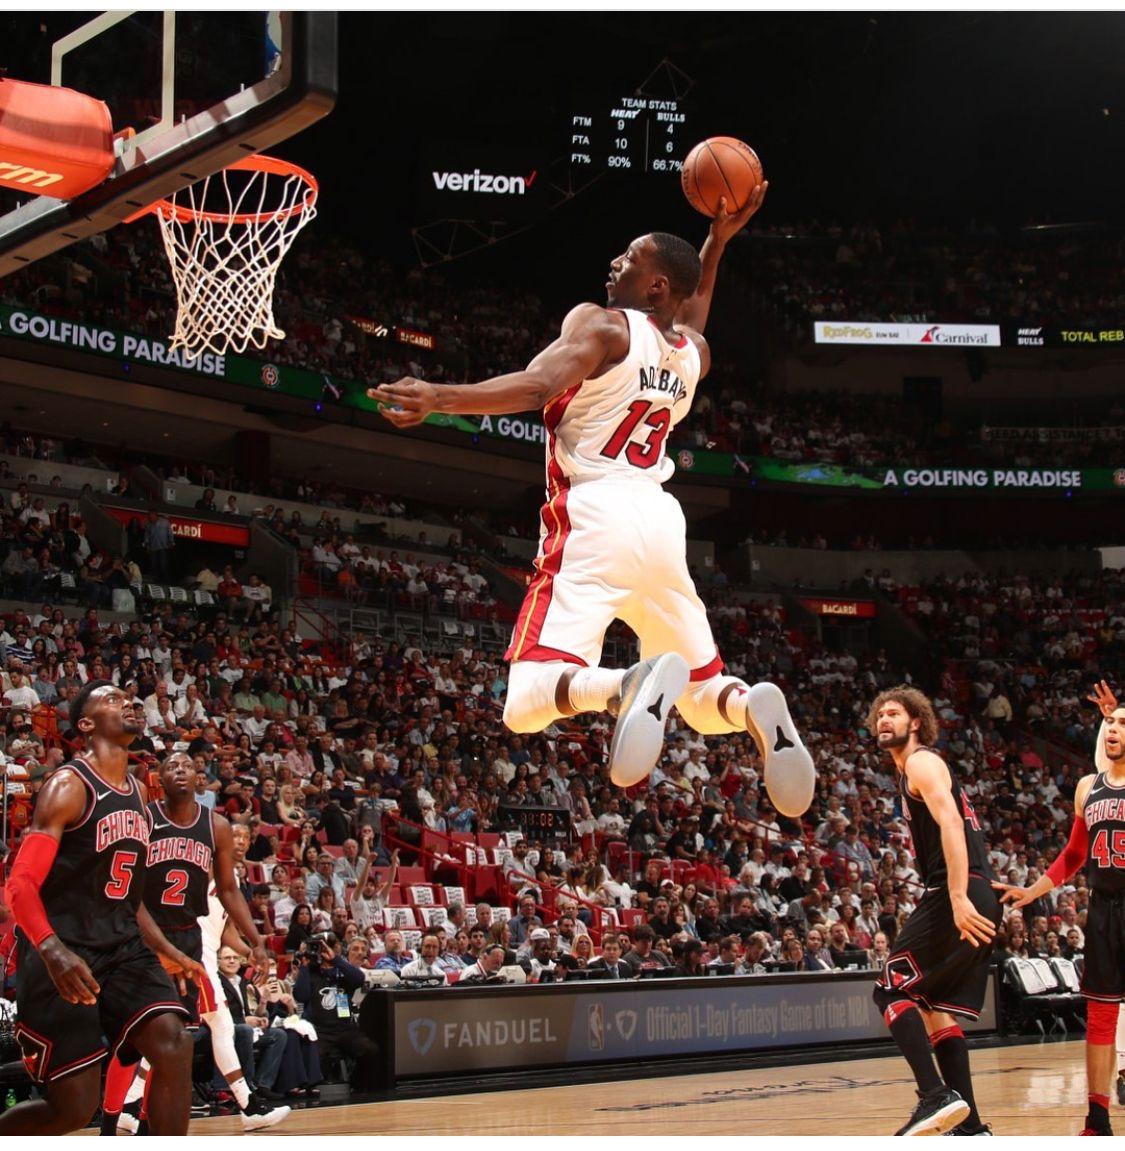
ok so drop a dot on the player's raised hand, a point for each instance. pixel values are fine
(974, 928)
(1103, 696)
(1014, 896)
(75, 981)
(727, 224)
(407, 402)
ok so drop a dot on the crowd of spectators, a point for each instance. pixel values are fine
(1029, 646)
(333, 768)
(862, 273)
(972, 273)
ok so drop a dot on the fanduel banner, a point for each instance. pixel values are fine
(463, 1030)
(907, 335)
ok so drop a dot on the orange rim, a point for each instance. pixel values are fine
(269, 164)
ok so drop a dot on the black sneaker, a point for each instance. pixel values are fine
(936, 1113)
(1121, 1088)
(260, 1114)
(965, 1129)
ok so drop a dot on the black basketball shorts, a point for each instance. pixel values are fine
(1103, 976)
(932, 964)
(58, 1038)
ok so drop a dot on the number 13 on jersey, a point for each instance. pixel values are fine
(641, 454)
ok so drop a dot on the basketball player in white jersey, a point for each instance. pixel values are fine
(613, 543)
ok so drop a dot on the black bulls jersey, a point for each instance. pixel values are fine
(1104, 812)
(926, 834)
(179, 867)
(94, 887)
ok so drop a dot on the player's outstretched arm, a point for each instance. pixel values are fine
(929, 776)
(695, 309)
(230, 895)
(591, 340)
(61, 803)
(1072, 857)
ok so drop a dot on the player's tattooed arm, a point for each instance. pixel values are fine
(592, 340)
(61, 804)
(929, 777)
(695, 309)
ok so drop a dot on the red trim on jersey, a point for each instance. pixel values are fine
(130, 779)
(683, 342)
(556, 520)
(168, 1007)
(541, 654)
(206, 1001)
(708, 669)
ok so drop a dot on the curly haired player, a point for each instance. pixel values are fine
(939, 966)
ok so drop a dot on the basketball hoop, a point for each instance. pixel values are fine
(225, 237)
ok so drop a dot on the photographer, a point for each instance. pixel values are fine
(324, 985)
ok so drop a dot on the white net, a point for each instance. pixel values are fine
(225, 237)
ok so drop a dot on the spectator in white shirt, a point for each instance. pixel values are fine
(426, 964)
(21, 693)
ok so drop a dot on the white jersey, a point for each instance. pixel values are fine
(615, 425)
(213, 923)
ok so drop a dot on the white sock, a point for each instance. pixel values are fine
(241, 1093)
(137, 1087)
(592, 688)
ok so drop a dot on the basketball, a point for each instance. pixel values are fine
(717, 167)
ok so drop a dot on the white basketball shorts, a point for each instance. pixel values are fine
(610, 550)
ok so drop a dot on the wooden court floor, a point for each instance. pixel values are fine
(1037, 1089)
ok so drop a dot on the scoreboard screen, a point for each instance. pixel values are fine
(630, 134)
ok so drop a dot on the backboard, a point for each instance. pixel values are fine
(199, 90)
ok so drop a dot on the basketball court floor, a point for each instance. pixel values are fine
(1036, 1089)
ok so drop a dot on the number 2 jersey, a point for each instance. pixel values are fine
(615, 425)
(94, 887)
(1104, 813)
(179, 868)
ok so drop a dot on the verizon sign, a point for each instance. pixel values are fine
(862, 333)
(478, 181)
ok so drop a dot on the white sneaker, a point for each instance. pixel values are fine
(259, 1115)
(648, 691)
(127, 1123)
(789, 772)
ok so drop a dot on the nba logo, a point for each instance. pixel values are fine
(595, 1027)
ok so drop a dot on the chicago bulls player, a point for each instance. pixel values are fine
(190, 850)
(89, 981)
(612, 542)
(939, 965)
(1097, 843)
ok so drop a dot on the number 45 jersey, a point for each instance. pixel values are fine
(612, 542)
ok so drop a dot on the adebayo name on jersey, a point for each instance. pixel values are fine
(663, 380)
